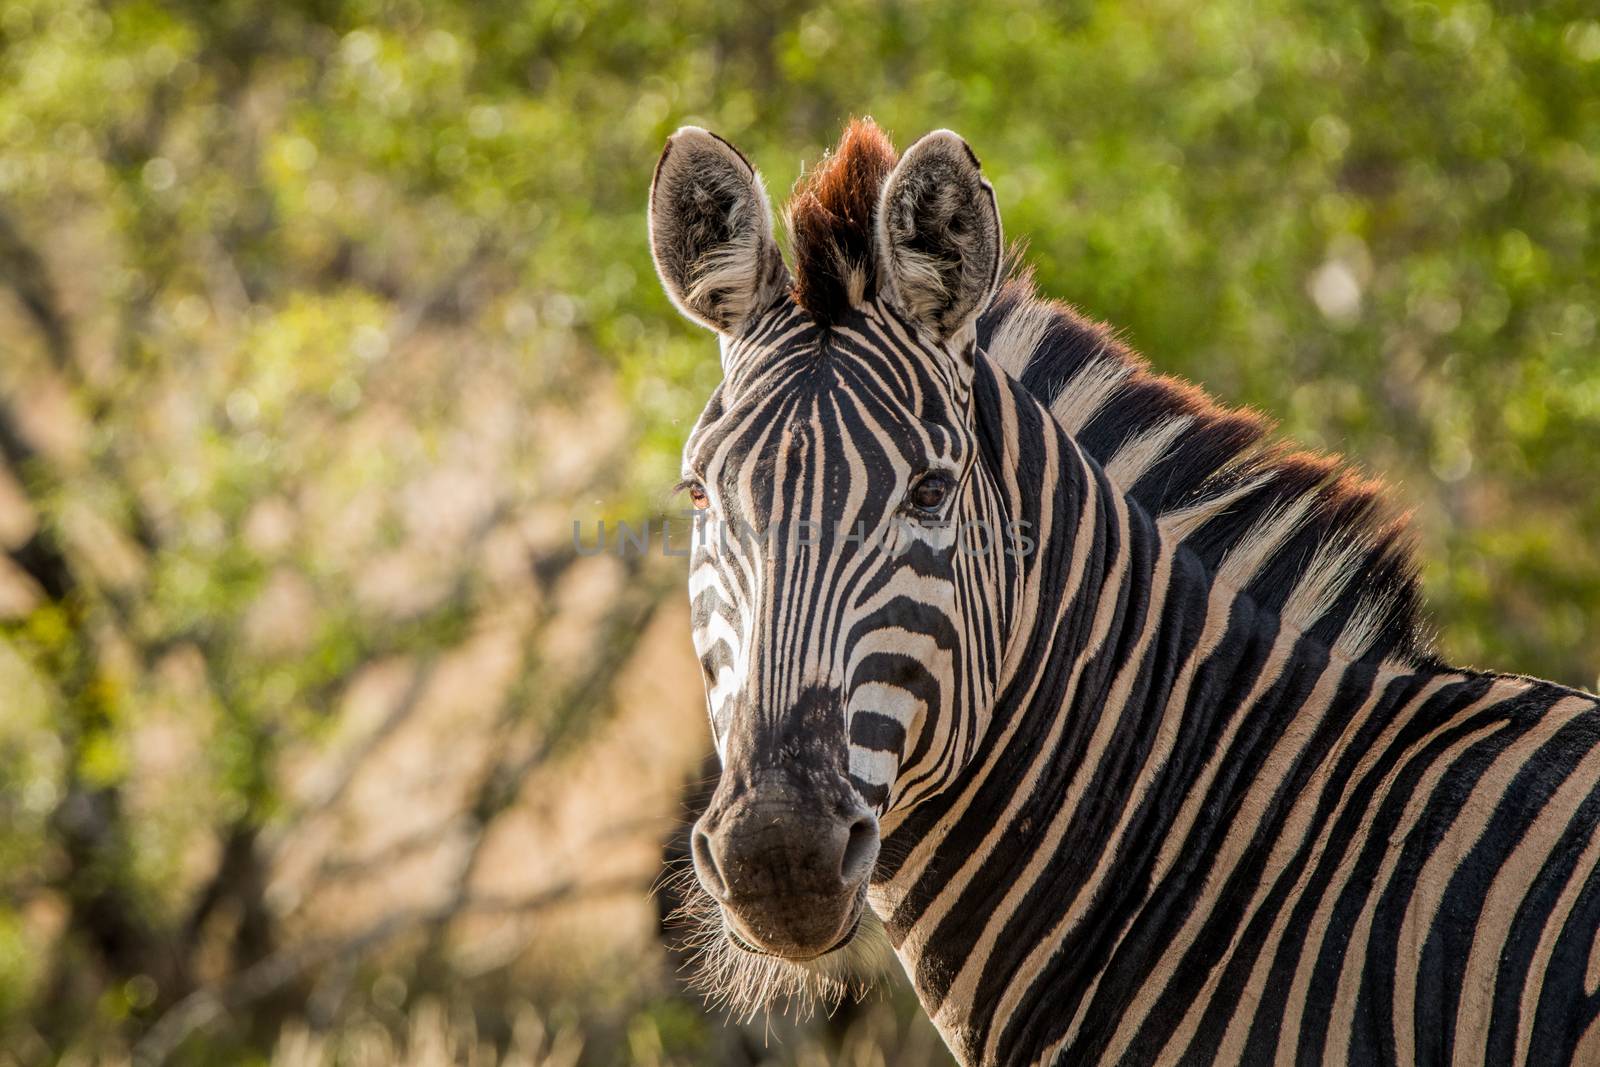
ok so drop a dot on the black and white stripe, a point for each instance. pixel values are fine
(814, 444)
(1229, 810)
(1180, 783)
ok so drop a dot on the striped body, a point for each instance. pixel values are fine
(1199, 836)
(1117, 715)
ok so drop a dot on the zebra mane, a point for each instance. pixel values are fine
(1301, 534)
(832, 222)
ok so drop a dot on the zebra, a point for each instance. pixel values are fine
(1119, 716)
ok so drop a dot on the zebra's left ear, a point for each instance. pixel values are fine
(939, 234)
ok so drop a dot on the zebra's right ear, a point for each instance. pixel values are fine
(711, 232)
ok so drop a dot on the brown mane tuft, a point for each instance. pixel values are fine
(831, 219)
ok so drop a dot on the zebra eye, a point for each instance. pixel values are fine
(697, 496)
(929, 493)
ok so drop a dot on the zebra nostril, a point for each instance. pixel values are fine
(860, 851)
(705, 864)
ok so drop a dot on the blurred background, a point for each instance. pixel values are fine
(322, 321)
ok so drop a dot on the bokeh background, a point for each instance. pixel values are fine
(322, 321)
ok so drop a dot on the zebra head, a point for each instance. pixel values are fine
(849, 537)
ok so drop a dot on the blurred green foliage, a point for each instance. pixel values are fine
(255, 252)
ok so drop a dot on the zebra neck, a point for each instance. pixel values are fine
(1109, 762)
(963, 869)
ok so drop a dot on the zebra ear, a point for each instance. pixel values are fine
(711, 231)
(939, 234)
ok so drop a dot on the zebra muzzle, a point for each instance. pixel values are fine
(789, 867)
